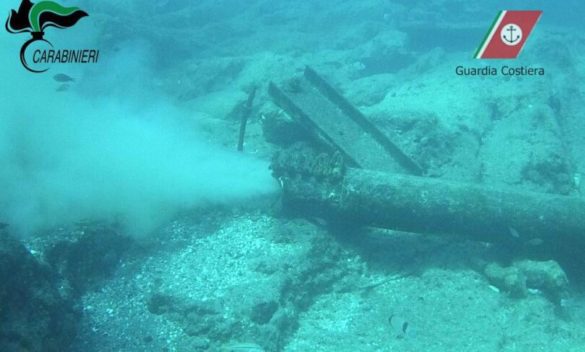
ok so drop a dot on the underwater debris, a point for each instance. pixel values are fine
(244, 118)
(427, 205)
(336, 123)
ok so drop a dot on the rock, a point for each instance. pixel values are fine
(264, 311)
(518, 278)
(90, 259)
(35, 315)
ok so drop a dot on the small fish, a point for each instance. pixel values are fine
(241, 347)
(514, 232)
(399, 325)
(577, 181)
(61, 77)
(63, 87)
(535, 242)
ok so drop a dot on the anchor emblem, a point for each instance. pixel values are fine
(511, 34)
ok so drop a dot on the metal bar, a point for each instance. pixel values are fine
(309, 125)
(327, 90)
(244, 118)
(326, 114)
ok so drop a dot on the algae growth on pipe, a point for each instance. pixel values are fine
(427, 205)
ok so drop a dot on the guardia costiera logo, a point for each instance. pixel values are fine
(37, 53)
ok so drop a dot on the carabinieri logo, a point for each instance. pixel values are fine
(35, 18)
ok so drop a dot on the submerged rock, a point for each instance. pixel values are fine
(36, 316)
(90, 259)
(523, 276)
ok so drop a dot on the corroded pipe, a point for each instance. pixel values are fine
(428, 205)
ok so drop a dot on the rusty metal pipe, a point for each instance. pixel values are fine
(427, 205)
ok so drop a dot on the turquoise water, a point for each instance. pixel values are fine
(136, 224)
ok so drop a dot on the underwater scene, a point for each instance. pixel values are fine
(292, 176)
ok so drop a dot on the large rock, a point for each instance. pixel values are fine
(34, 314)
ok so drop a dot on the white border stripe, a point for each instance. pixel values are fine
(491, 35)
